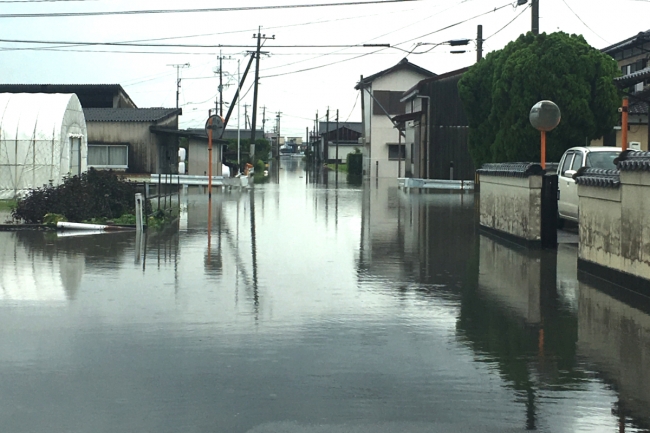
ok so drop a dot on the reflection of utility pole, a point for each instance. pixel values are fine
(178, 78)
(337, 142)
(257, 79)
(278, 128)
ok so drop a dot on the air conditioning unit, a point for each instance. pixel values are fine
(634, 145)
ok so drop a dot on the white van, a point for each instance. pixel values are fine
(572, 160)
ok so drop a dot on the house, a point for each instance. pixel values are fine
(437, 129)
(632, 56)
(90, 95)
(347, 136)
(136, 140)
(380, 100)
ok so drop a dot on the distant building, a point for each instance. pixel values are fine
(632, 57)
(136, 140)
(437, 130)
(380, 100)
(348, 137)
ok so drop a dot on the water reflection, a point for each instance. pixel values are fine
(614, 336)
(302, 306)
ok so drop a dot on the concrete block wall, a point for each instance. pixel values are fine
(613, 218)
(512, 205)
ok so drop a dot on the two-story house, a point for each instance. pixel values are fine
(383, 148)
(632, 56)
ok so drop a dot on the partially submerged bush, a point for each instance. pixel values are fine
(94, 194)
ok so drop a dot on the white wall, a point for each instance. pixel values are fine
(382, 131)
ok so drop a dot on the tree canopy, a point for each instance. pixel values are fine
(499, 91)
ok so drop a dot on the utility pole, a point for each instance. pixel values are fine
(479, 43)
(257, 79)
(535, 19)
(246, 116)
(337, 140)
(263, 118)
(326, 148)
(178, 67)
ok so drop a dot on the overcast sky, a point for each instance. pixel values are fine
(151, 82)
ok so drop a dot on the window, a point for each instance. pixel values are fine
(577, 162)
(396, 151)
(389, 100)
(603, 160)
(108, 156)
(566, 164)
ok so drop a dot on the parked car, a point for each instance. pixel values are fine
(572, 160)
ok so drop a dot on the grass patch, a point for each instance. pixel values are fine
(342, 167)
(7, 205)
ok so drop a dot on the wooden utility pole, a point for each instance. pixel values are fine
(479, 43)
(221, 58)
(259, 37)
(535, 17)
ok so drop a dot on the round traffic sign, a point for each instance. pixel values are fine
(214, 123)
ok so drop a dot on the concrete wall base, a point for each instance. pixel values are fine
(499, 235)
(625, 280)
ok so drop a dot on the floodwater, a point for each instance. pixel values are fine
(310, 306)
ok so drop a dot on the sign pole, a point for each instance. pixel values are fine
(543, 162)
(624, 123)
(210, 158)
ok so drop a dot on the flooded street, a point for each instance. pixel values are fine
(311, 305)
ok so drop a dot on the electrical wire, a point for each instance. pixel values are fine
(199, 10)
(353, 107)
(509, 22)
(584, 23)
(392, 46)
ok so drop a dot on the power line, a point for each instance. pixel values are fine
(197, 10)
(392, 46)
(132, 44)
(509, 22)
(584, 23)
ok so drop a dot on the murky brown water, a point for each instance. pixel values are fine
(314, 308)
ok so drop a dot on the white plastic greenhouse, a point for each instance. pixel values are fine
(42, 139)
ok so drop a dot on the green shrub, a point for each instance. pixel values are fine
(94, 194)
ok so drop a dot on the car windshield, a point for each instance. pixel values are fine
(601, 160)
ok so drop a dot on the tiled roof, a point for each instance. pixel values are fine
(633, 161)
(633, 78)
(353, 126)
(598, 177)
(636, 39)
(403, 64)
(639, 102)
(129, 114)
(511, 169)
